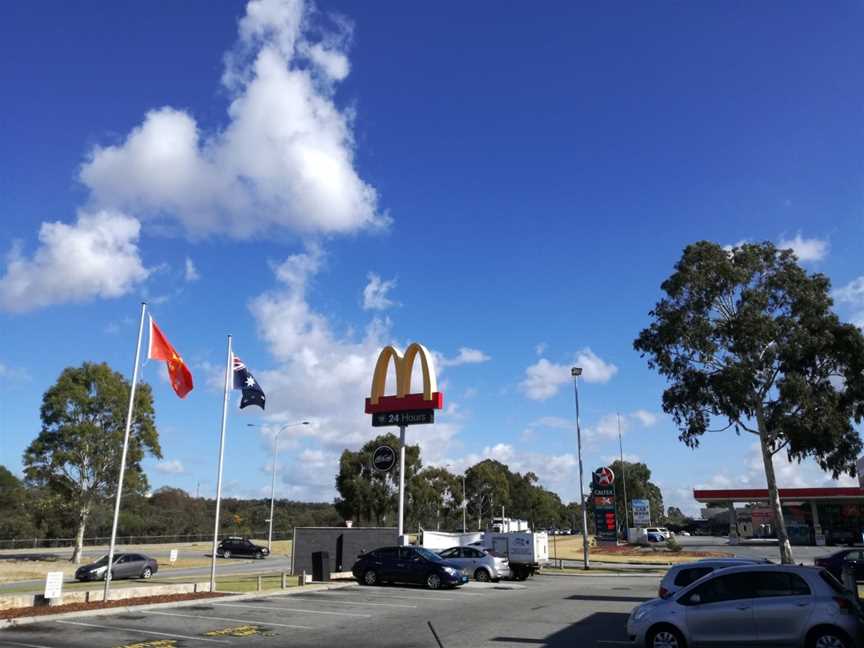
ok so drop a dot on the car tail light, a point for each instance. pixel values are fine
(663, 592)
(843, 603)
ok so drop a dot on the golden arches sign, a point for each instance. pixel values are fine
(430, 398)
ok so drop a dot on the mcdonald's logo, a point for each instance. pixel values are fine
(404, 400)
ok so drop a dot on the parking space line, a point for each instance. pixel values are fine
(416, 598)
(271, 608)
(215, 618)
(341, 602)
(149, 632)
(402, 589)
(23, 645)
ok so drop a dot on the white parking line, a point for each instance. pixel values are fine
(271, 608)
(24, 645)
(399, 598)
(215, 618)
(365, 590)
(341, 602)
(148, 632)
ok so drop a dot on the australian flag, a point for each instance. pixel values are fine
(252, 392)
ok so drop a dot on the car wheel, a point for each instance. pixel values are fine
(147, 573)
(665, 637)
(481, 576)
(260, 556)
(370, 577)
(433, 581)
(226, 554)
(828, 638)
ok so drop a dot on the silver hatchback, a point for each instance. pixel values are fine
(681, 575)
(755, 605)
(477, 563)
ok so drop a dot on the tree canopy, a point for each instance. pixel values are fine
(76, 455)
(748, 341)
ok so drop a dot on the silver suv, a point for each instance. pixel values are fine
(680, 576)
(756, 605)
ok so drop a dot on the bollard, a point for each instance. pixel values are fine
(284, 580)
(259, 583)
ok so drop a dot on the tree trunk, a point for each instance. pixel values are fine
(83, 514)
(774, 495)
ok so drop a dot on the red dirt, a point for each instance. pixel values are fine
(629, 550)
(45, 610)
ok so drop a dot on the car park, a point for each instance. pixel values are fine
(854, 558)
(407, 565)
(680, 576)
(477, 564)
(242, 547)
(753, 605)
(126, 565)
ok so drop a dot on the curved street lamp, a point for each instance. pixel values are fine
(273, 480)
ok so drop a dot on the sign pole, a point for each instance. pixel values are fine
(119, 494)
(221, 457)
(623, 478)
(401, 484)
(576, 372)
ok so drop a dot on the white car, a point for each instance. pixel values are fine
(663, 531)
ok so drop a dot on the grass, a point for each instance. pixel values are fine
(570, 548)
(249, 583)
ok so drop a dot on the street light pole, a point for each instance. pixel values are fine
(273, 478)
(576, 372)
(623, 478)
(464, 506)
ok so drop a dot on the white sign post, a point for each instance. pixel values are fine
(53, 585)
(172, 557)
(641, 512)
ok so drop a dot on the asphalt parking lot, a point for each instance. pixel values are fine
(546, 610)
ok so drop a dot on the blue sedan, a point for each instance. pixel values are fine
(407, 565)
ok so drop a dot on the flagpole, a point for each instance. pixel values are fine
(123, 455)
(221, 457)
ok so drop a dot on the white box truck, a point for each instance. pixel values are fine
(526, 551)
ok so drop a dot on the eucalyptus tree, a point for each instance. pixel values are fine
(748, 338)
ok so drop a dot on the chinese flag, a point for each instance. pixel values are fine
(161, 349)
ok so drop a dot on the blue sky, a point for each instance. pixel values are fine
(508, 187)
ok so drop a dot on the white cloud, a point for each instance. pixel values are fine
(324, 377)
(851, 293)
(191, 272)
(544, 379)
(172, 467)
(805, 249)
(540, 349)
(284, 160)
(375, 293)
(646, 418)
(96, 257)
(466, 355)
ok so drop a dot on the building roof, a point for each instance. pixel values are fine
(788, 494)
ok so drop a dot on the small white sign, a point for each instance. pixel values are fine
(53, 585)
(172, 558)
(641, 512)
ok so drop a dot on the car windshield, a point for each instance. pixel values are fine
(428, 555)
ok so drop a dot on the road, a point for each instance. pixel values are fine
(752, 549)
(545, 611)
(224, 567)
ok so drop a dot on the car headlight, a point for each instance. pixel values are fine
(641, 613)
(451, 571)
(98, 570)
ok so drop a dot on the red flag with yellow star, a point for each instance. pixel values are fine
(161, 349)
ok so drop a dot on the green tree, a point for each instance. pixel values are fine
(368, 494)
(747, 337)
(639, 486)
(435, 494)
(488, 487)
(76, 456)
(16, 502)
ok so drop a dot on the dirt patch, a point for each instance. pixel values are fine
(101, 605)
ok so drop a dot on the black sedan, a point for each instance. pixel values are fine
(834, 562)
(407, 565)
(126, 565)
(241, 547)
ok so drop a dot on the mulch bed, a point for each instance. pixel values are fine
(629, 550)
(45, 610)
